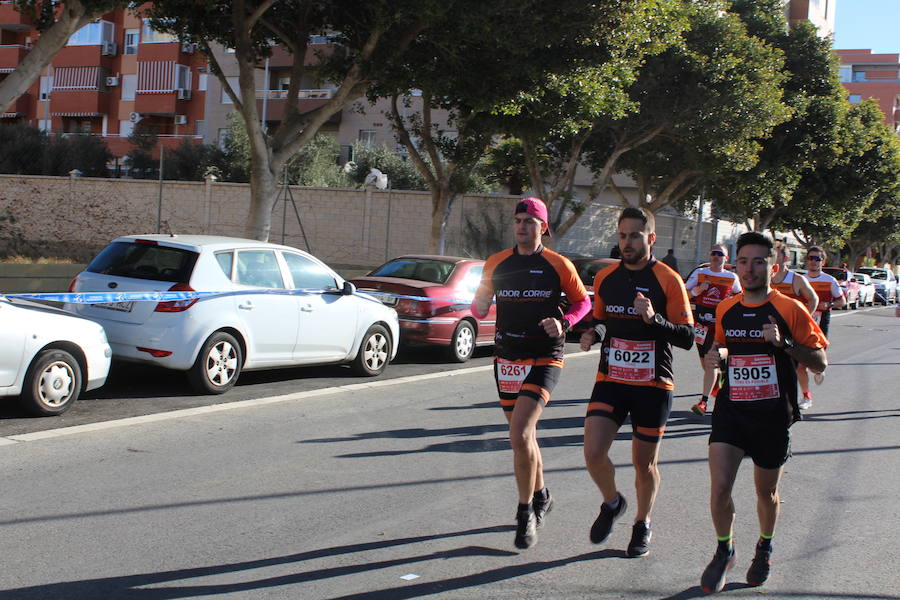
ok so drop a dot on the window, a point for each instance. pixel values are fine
(367, 137)
(182, 78)
(45, 125)
(93, 34)
(859, 76)
(855, 98)
(200, 130)
(308, 274)
(223, 138)
(225, 260)
(125, 128)
(846, 73)
(46, 86)
(259, 268)
(235, 86)
(131, 41)
(129, 85)
(202, 82)
(151, 36)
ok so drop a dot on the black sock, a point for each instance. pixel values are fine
(725, 545)
(764, 543)
(542, 495)
(525, 507)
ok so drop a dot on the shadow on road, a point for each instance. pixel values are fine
(140, 586)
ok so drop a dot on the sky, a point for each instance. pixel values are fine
(872, 24)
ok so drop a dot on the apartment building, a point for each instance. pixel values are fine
(114, 73)
(868, 75)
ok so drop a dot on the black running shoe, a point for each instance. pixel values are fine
(640, 540)
(526, 529)
(713, 578)
(604, 522)
(759, 569)
(542, 507)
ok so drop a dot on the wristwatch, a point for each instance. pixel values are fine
(659, 320)
(787, 343)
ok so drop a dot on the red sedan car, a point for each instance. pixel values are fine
(848, 283)
(431, 295)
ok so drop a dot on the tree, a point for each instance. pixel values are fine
(806, 142)
(489, 62)
(369, 38)
(831, 201)
(704, 104)
(190, 161)
(56, 20)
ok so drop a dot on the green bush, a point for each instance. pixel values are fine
(22, 149)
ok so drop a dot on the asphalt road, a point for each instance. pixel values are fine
(403, 489)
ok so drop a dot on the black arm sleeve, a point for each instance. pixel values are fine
(677, 335)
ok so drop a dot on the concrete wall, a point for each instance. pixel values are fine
(75, 218)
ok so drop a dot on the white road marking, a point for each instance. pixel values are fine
(214, 408)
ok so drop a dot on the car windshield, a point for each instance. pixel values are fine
(587, 269)
(839, 274)
(860, 277)
(877, 274)
(144, 261)
(420, 269)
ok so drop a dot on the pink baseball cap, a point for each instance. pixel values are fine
(534, 207)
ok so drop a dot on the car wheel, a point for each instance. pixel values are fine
(218, 365)
(462, 346)
(52, 384)
(374, 352)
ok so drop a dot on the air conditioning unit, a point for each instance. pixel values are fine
(112, 81)
(135, 117)
(108, 49)
(183, 94)
(188, 48)
(45, 95)
(181, 119)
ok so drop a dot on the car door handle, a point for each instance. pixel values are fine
(246, 306)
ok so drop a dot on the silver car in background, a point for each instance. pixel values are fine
(275, 306)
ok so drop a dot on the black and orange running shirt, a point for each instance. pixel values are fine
(528, 289)
(761, 377)
(634, 352)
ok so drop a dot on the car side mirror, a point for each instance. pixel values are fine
(349, 289)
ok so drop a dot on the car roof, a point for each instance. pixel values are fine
(199, 242)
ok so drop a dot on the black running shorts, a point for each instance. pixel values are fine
(538, 383)
(762, 435)
(703, 348)
(648, 406)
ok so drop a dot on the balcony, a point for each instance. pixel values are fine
(79, 103)
(308, 100)
(10, 18)
(282, 59)
(11, 56)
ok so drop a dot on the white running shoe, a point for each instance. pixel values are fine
(805, 404)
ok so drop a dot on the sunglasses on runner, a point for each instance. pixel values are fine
(815, 258)
(716, 253)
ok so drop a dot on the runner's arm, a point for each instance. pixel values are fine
(678, 335)
(814, 358)
(807, 292)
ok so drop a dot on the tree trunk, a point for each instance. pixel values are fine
(441, 203)
(73, 16)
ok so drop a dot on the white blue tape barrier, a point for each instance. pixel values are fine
(108, 297)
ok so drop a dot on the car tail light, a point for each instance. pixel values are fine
(156, 353)
(177, 305)
(420, 308)
(147, 242)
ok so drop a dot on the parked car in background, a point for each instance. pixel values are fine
(587, 269)
(432, 295)
(886, 284)
(259, 320)
(848, 284)
(866, 289)
(48, 357)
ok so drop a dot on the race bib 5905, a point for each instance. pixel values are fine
(752, 377)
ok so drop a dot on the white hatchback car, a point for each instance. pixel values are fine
(48, 357)
(261, 318)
